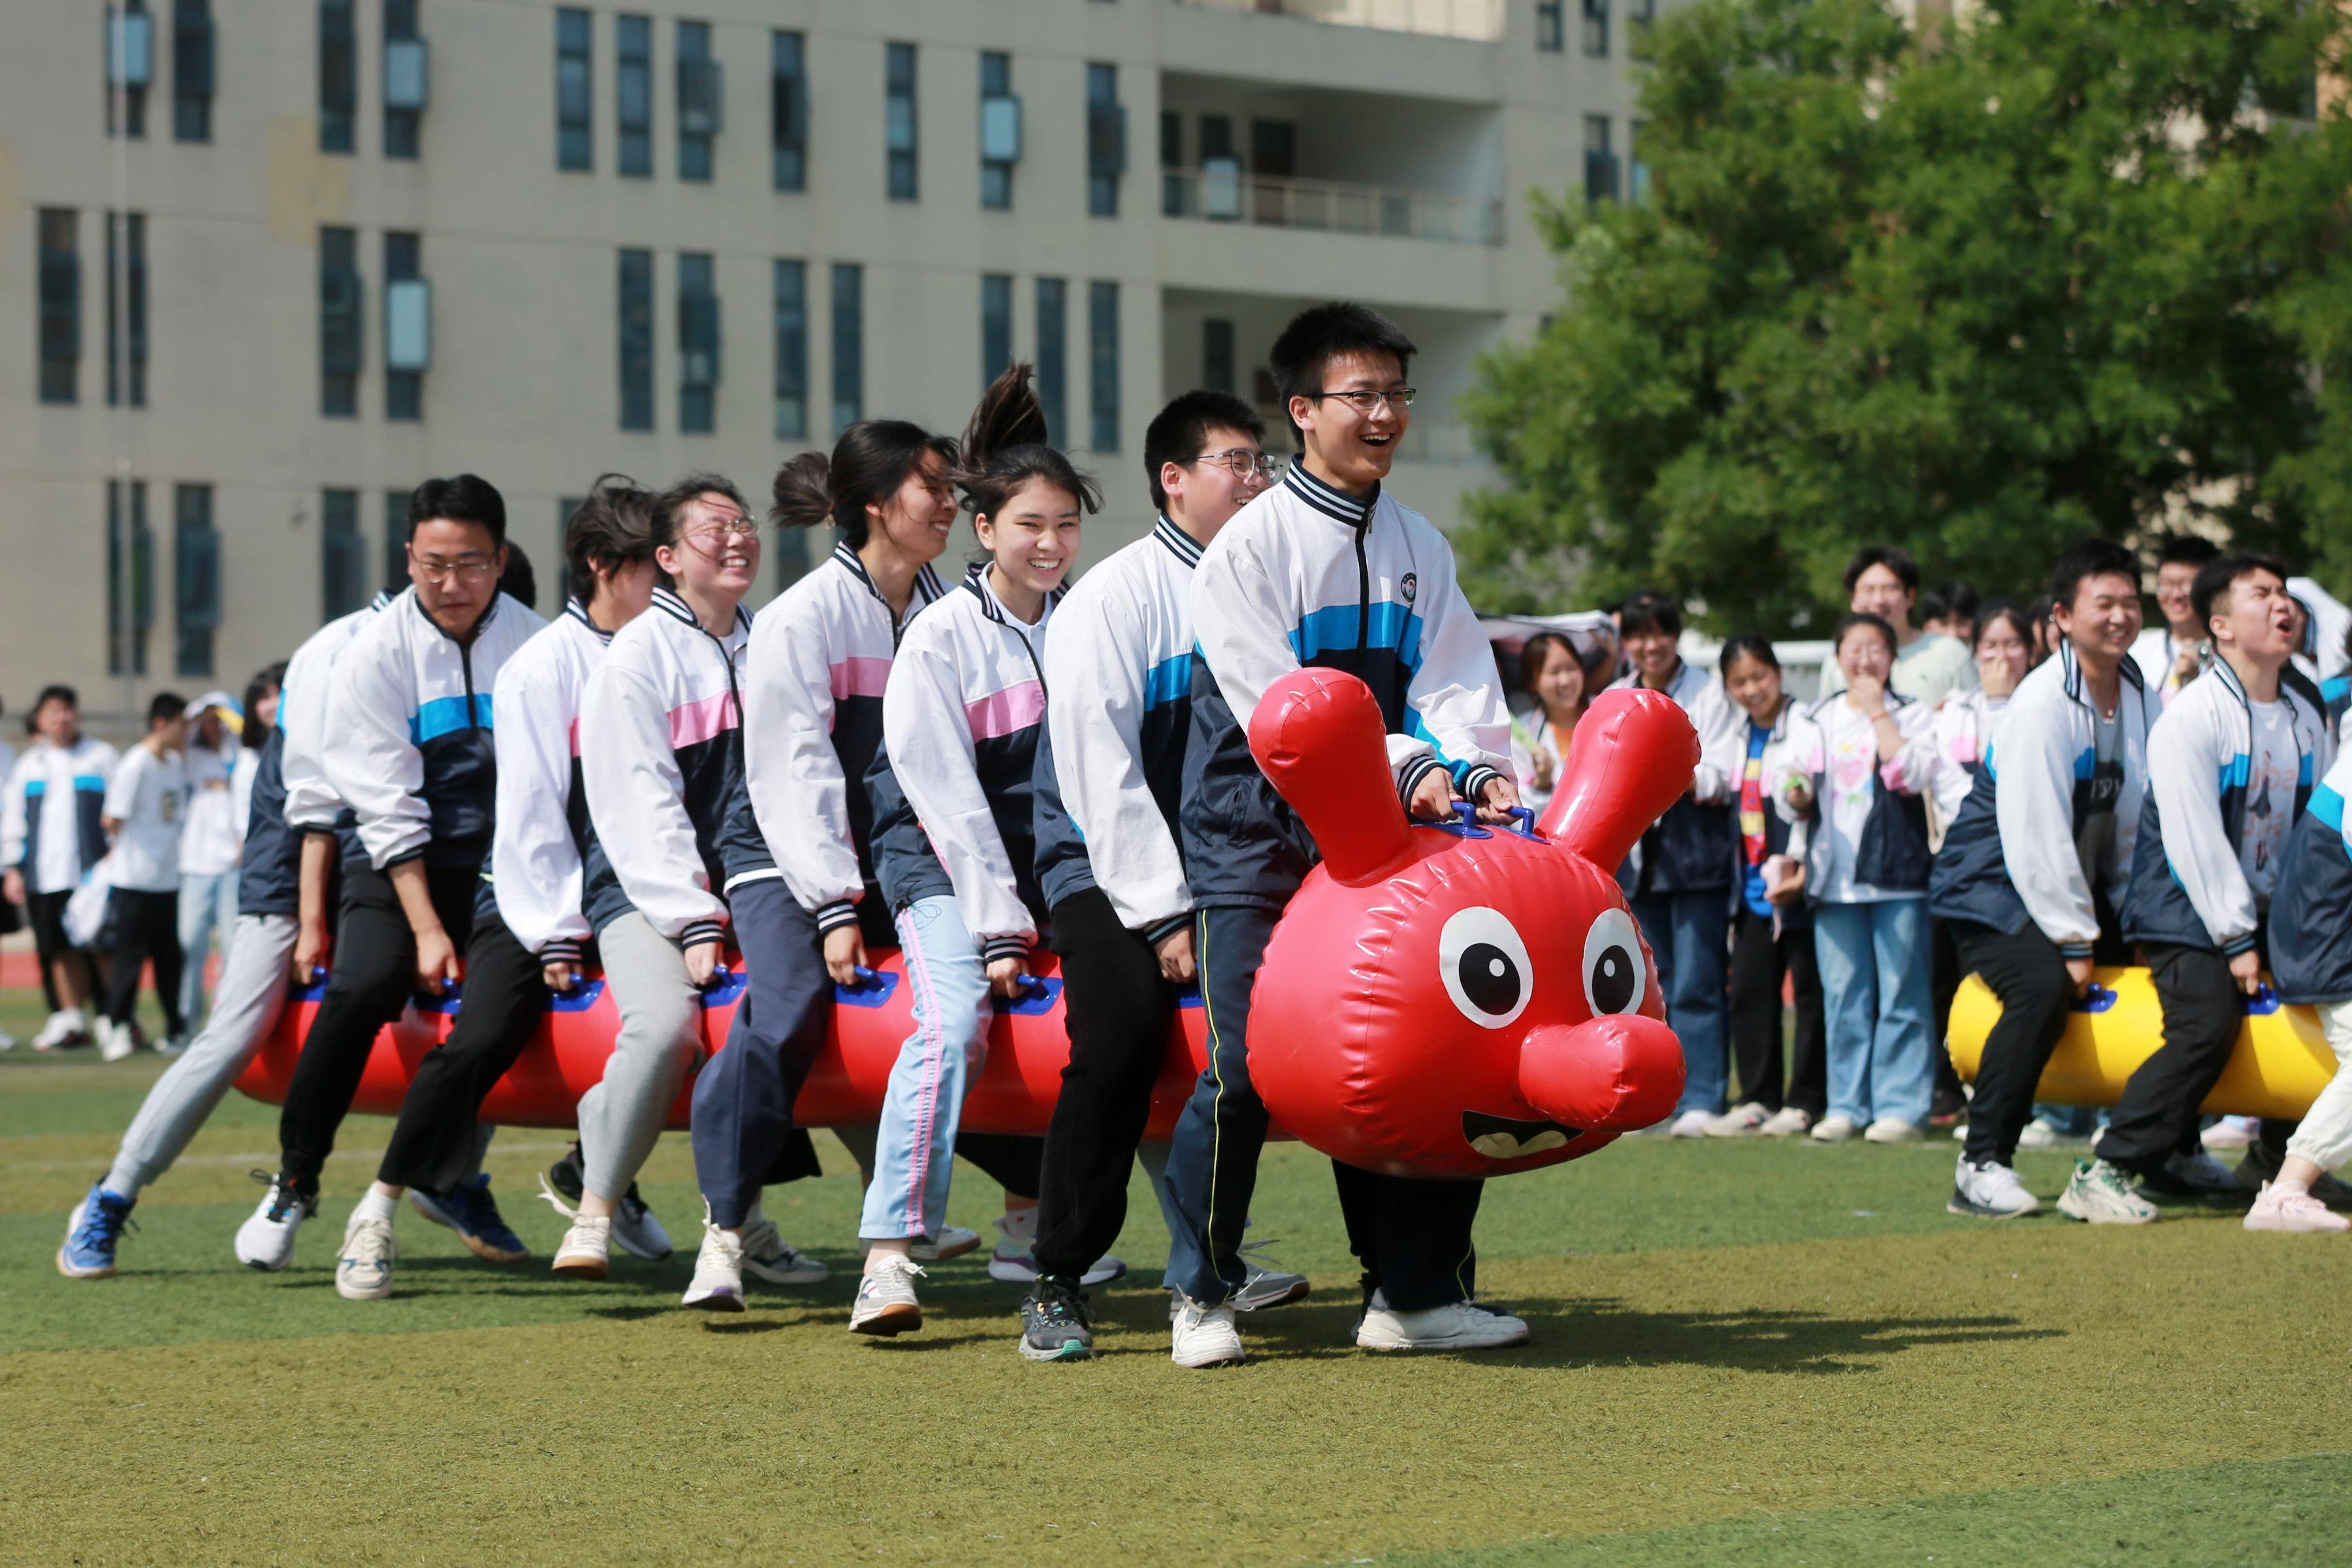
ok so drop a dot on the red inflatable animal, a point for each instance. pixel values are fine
(1449, 1000)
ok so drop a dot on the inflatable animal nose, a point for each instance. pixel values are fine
(1614, 1074)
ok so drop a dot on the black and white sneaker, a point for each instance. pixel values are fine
(266, 1240)
(1054, 1324)
(635, 1229)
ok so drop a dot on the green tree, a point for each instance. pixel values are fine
(2066, 266)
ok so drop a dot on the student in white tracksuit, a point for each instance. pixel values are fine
(49, 840)
(661, 758)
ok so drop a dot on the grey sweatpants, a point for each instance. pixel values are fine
(661, 1031)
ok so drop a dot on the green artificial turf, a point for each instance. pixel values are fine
(1744, 1351)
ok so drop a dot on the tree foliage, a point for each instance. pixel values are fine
(2070, 266)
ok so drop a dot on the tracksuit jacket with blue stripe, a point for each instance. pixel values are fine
(1119, 664)
(2311, 911)
(1307, 575)
(42, 774)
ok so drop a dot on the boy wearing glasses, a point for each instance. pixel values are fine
(409, 751)
(1323, 570)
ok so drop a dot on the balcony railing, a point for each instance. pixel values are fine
(1227, 195)
(1478, 20)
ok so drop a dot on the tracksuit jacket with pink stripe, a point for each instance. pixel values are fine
(952, 786)
(661, 756)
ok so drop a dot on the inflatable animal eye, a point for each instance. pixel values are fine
(1613, 977)
(1484, 966)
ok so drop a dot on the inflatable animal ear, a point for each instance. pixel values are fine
(1319, 736)
(1631, 757)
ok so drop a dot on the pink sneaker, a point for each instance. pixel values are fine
(2280, 1208)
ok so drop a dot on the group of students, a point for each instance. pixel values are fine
(2053, 789)
(969, 771)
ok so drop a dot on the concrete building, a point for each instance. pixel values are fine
(266, 263)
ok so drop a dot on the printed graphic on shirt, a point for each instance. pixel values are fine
(2272, 771)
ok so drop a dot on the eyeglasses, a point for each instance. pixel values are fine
(1369, 402)
(1241, 462)
(738, 526)
(467, 569)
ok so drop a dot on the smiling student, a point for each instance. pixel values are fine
(52, 838)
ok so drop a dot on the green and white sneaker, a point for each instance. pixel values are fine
(2101, 1194)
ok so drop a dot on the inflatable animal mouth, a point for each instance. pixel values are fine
(1508, 1138)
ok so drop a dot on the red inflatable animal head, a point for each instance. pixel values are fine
(1458, 1000)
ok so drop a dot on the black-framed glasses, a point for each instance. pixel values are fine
(1241, 462)
(1369, 402)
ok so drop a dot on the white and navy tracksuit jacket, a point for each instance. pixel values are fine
(2010, 858)
(820, 661)
(303, 705)
(2311, 911)
(2188, 889)
(1110, 770)
(542, 840)
(661, 756)
(952, 786)
(1309, 575)
(410, 719)
(49, 779)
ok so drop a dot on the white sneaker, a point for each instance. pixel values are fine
(363, 1273)
(2101, 1194)
(717, 1284)
(266, 1240)
(1831, 1129)
(1990, 1191)
(7, 1041)
(1013, 1263)
(1262, 1287)
(114, 1044)
(767, 1254)
(1457, 1326)
(886, 1301)
(1740, 1122)
(2280, 1208)
(1692, 1124)
(2038, 1134)
(587, 1249)
(1787, 1122)
(1892, 1130)
(2231, 1132)
(64, 1028)
(953, 1241)
(1203, 1336)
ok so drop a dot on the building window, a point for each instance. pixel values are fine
(1102, 363)
(575, 88)
(792, 349)
(1000, 129)
(195, 578)
(406, 78)
(1599, 161)
(1637, 173)
(1217, 354)
(995, 325)
(192, 70)
(1053, 355)
(61, 285)
(849, 345)
(1641, 13)
(130, 67)
(407, 327)
(1172, 163)
(788, 113)
(130, 606)
(636, 340)
(339, 77)
(395, 538)
(342, 554)
(1596, 29)
(1550, 26)
(701, 98)
(635, 91)
(898, 126)
(126, 308)
(697, 343)
(342, 335)
(1106, 139)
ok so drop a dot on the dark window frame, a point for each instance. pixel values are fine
(126, 102)
(699, 363)
(1105, 139)
(59, 379)
(846, 305)
(1102, 365)
(700, 93)
(789, 321)
(635, 322)
(196, 44)
(995, 325)
(140, 618)
(342, 323)
(788, 109)
(126, 295)
(343, 586)
(339, 77)
(404, 128)
(576, 88)
(196, 579)
(404, 390)
(1053, 355)
(901, 123)
(633, 45)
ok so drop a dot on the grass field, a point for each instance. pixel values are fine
(1745, 1351)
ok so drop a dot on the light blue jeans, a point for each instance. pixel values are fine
(1690, 937)
(914, 1147)
(207, 904)
(1875, 990)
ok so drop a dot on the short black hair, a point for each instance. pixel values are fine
(1649, 611)
(54, 693)
(2218, 575)
(2186, 550)
(1176, 432)
(461, 497)
(1748, 645)
(2089, 558)
(518, 582)
(1951, 599)
(1320, 333)
(1895, 558)
(613, 527)
(164, 707)
(1878, 624)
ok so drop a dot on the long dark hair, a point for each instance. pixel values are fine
(268, 678)
(1536, 652)
(868, 463)
(1005, 446)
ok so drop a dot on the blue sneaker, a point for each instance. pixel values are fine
(95, 1226)
(470, 1211)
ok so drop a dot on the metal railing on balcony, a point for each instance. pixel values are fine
(1480, 21)
(1226, 194)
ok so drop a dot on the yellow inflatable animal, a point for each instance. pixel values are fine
(2281, 1064)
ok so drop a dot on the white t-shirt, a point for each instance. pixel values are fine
(216, 834)
(149, 796)
(2274, 768)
